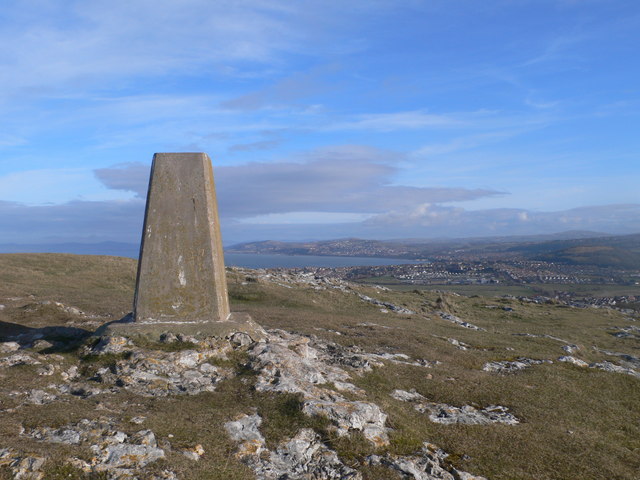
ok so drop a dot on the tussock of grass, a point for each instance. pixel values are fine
(64, 471)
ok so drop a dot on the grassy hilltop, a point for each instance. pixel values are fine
(575, 422)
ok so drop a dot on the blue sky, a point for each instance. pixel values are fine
(324, 119)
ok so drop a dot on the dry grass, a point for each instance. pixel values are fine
(577, 423)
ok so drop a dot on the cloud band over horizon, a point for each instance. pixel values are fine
(255, 200)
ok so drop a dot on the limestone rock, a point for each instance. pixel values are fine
(428, 464)
(8, 347)
(153, 373)
(571, 348)
(453, 319)
(576, 361)
(194, 453)
(241, 339)
(386, 305)
(349, 415)
(612, 367)
(294, 364)
(302, 457)
(23, 467)
(40, 397)
(512, 366)
(118, 454)
(20, 358)
(245, 430)
(449, 414)
(111, 345)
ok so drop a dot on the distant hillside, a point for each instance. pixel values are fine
(620, 251)
(603, 251)
(117, 249)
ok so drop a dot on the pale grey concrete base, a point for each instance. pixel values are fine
(152, 330)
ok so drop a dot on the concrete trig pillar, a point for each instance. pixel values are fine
(181, 286)
(181, 273)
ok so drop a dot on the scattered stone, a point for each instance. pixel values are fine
(459, 344)
(47, 370)
(630, 331)
(410, 396)
(428, 464)
(42, 344)
(40, 397)
(576, 361)
(119, 454)
(627, 360)
(305, 456)
(20, 358)
(65, 435)
(570, 348)
(168, 337)
(138, 420)
(245, 429)
(386, 305)
(348, 415)
(302, 457)
(372, 325)
(8, 347)
(112, 345)
(240, 339)
(612, 367)
(194, 453)
(452, 318)
(468, 415)
(23, 467)
(296, 364)
(448, 414)
(512, 366)
(157, 373)
(79, 389)
(70, 374)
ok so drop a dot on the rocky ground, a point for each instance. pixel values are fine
(320, 371)
(377, 395)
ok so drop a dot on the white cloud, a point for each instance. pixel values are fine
(348, 179)
(386, 122)
(438, 220)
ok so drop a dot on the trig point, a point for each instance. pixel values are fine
(181, 285)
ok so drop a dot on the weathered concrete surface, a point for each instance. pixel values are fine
(181, 268)
(181, 285)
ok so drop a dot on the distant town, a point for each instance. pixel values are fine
(593, 271)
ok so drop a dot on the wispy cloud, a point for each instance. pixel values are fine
(439, 220)
(386, 122)
(344, 179)
(464, 143)
(284, 92)
(82, 221)
(254, 146)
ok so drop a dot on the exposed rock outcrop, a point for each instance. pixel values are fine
(448, 414)
(302, 457)
(288, 363)
(507, 366)
(428, 464)
(453, 319)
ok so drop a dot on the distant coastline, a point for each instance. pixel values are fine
(246, 260)
(257, 260)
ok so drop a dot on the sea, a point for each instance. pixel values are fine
(247, 260)
(252, 260)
